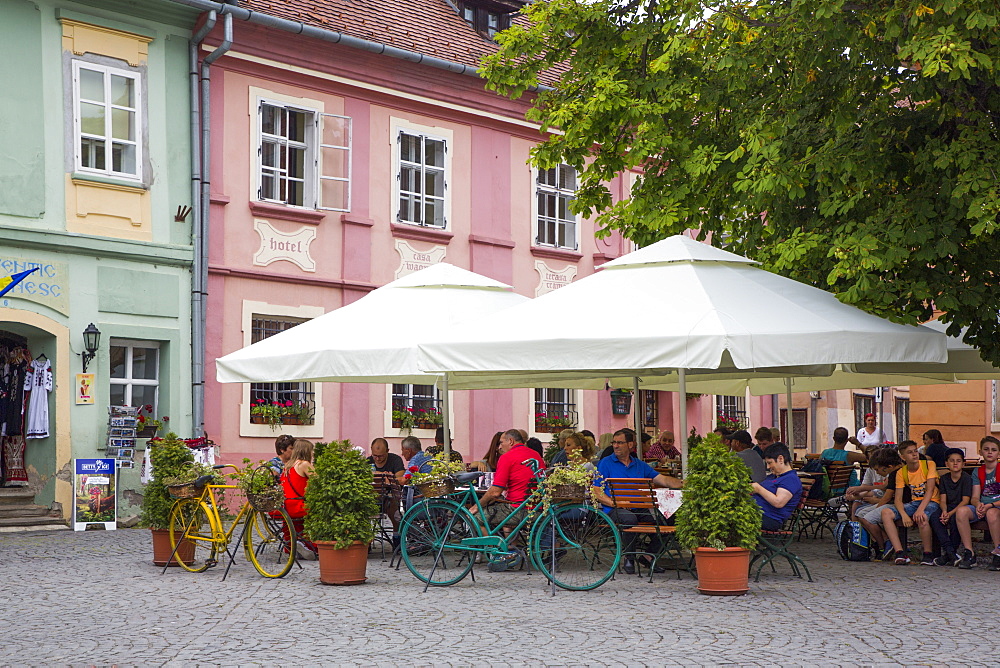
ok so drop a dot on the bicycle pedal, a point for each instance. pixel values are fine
(209, 563)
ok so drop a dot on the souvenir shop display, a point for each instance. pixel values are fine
(14, 362)
(122, 425)
(38, 381)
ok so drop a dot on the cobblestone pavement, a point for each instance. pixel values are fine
(95, 598)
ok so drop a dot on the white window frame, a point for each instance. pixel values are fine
(128, 381)
(398, 162)
(109, 141)
(315, 150)
(252, 309)
(397, 432)
(576, 401)
(536, 214)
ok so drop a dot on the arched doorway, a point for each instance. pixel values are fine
(39, 465)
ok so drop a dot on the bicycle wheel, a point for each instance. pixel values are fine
(269, 542)
(587, 546)
(191, 524)
(432, 527)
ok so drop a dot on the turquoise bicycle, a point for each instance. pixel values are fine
(575, 545)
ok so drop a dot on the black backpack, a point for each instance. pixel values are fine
(853, 541)
(820, 491)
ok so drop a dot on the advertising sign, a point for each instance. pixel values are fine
(84, 389)
(94, 485)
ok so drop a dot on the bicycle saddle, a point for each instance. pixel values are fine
(204, 480)
(468, 477)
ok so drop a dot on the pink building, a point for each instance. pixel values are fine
(337, 168)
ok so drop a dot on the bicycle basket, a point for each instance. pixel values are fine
(263, 490)
(187, 490)
(569, 492)
(437, 488)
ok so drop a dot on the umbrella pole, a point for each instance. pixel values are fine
(445, 421)
(637, 405)
(788, 415)
(682, 390)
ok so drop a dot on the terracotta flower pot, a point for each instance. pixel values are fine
(723, 572)
(162, 550)
(342, 567)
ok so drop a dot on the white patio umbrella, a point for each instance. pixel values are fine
(964, 363)
(699, 304)
(372, 340)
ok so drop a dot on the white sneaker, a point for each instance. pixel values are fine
(835, 502)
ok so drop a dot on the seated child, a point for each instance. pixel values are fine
(956, 490)
(985, 504)
(915, 499)
(873, 495)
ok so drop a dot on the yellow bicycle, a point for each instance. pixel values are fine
(198, 533)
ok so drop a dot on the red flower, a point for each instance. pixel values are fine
(414, 469)
(166, 419)
(288, 404)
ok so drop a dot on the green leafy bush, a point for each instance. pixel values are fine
(718, 510)
(170, 456)
(340, 497)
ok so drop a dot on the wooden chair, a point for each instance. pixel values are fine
(386, 492)
(817, 514)
(774, 544)
(637, 496)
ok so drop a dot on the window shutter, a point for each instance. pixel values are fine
(334, 161)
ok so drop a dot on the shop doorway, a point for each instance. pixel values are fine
(28, 359)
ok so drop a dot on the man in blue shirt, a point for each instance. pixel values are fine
(414, 455)
(622, 464)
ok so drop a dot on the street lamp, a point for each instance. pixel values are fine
(91, 341)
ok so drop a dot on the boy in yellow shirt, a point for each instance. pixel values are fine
(915, 500)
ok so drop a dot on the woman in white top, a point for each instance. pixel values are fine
(868, 435)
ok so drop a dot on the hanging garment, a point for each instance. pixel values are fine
(39, 382)
(13, 460)
(12, 389)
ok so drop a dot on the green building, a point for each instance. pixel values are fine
(95, 165)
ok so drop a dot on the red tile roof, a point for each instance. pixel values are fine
(430, 27)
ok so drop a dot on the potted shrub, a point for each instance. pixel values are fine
(169, 457)
(340, 504)
(718, 520)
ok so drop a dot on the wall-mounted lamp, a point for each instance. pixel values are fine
(91, 342)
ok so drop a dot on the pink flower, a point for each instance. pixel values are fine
(288, 404)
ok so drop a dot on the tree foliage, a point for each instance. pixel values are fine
(849, 145)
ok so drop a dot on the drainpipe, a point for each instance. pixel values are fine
(197, 288)
(199, 303)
